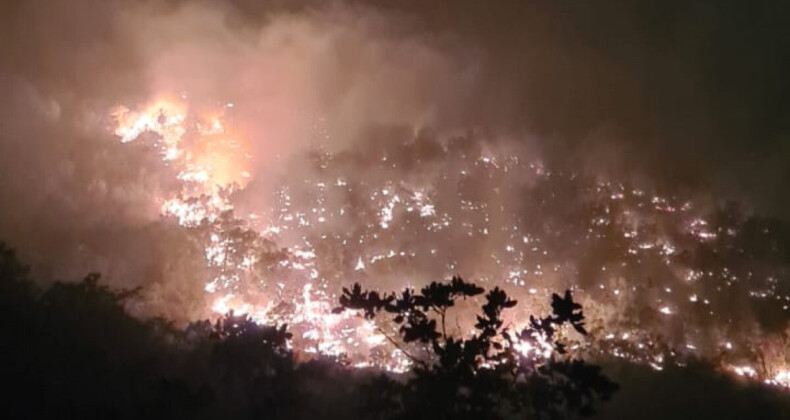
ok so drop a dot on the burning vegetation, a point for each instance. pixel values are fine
(237, 169)
(664, 279)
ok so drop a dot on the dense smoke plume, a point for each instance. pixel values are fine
(522, 141)
(315, 76)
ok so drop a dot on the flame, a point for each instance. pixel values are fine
(210, 160)
(204, 150)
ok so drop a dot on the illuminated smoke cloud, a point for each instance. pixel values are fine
(258, 162)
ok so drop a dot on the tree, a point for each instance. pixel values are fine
(492, 374)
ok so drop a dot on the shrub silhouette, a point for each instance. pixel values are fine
(72, 351)
(496, 372)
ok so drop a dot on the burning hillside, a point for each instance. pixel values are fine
(663, 278)
(257, 157)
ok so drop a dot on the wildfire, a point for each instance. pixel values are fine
(206, 153)
(284, 265)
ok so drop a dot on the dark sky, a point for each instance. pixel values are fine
(690, 94)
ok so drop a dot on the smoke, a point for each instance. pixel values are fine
(321, 72)
(317, 75)
(682, 95)
(513, 143)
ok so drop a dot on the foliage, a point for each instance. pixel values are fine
(72, 351)
(495, 372)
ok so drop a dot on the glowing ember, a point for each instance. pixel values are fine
(285, 264)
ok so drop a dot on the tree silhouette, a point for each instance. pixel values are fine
(71, 350)
(494, 372)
